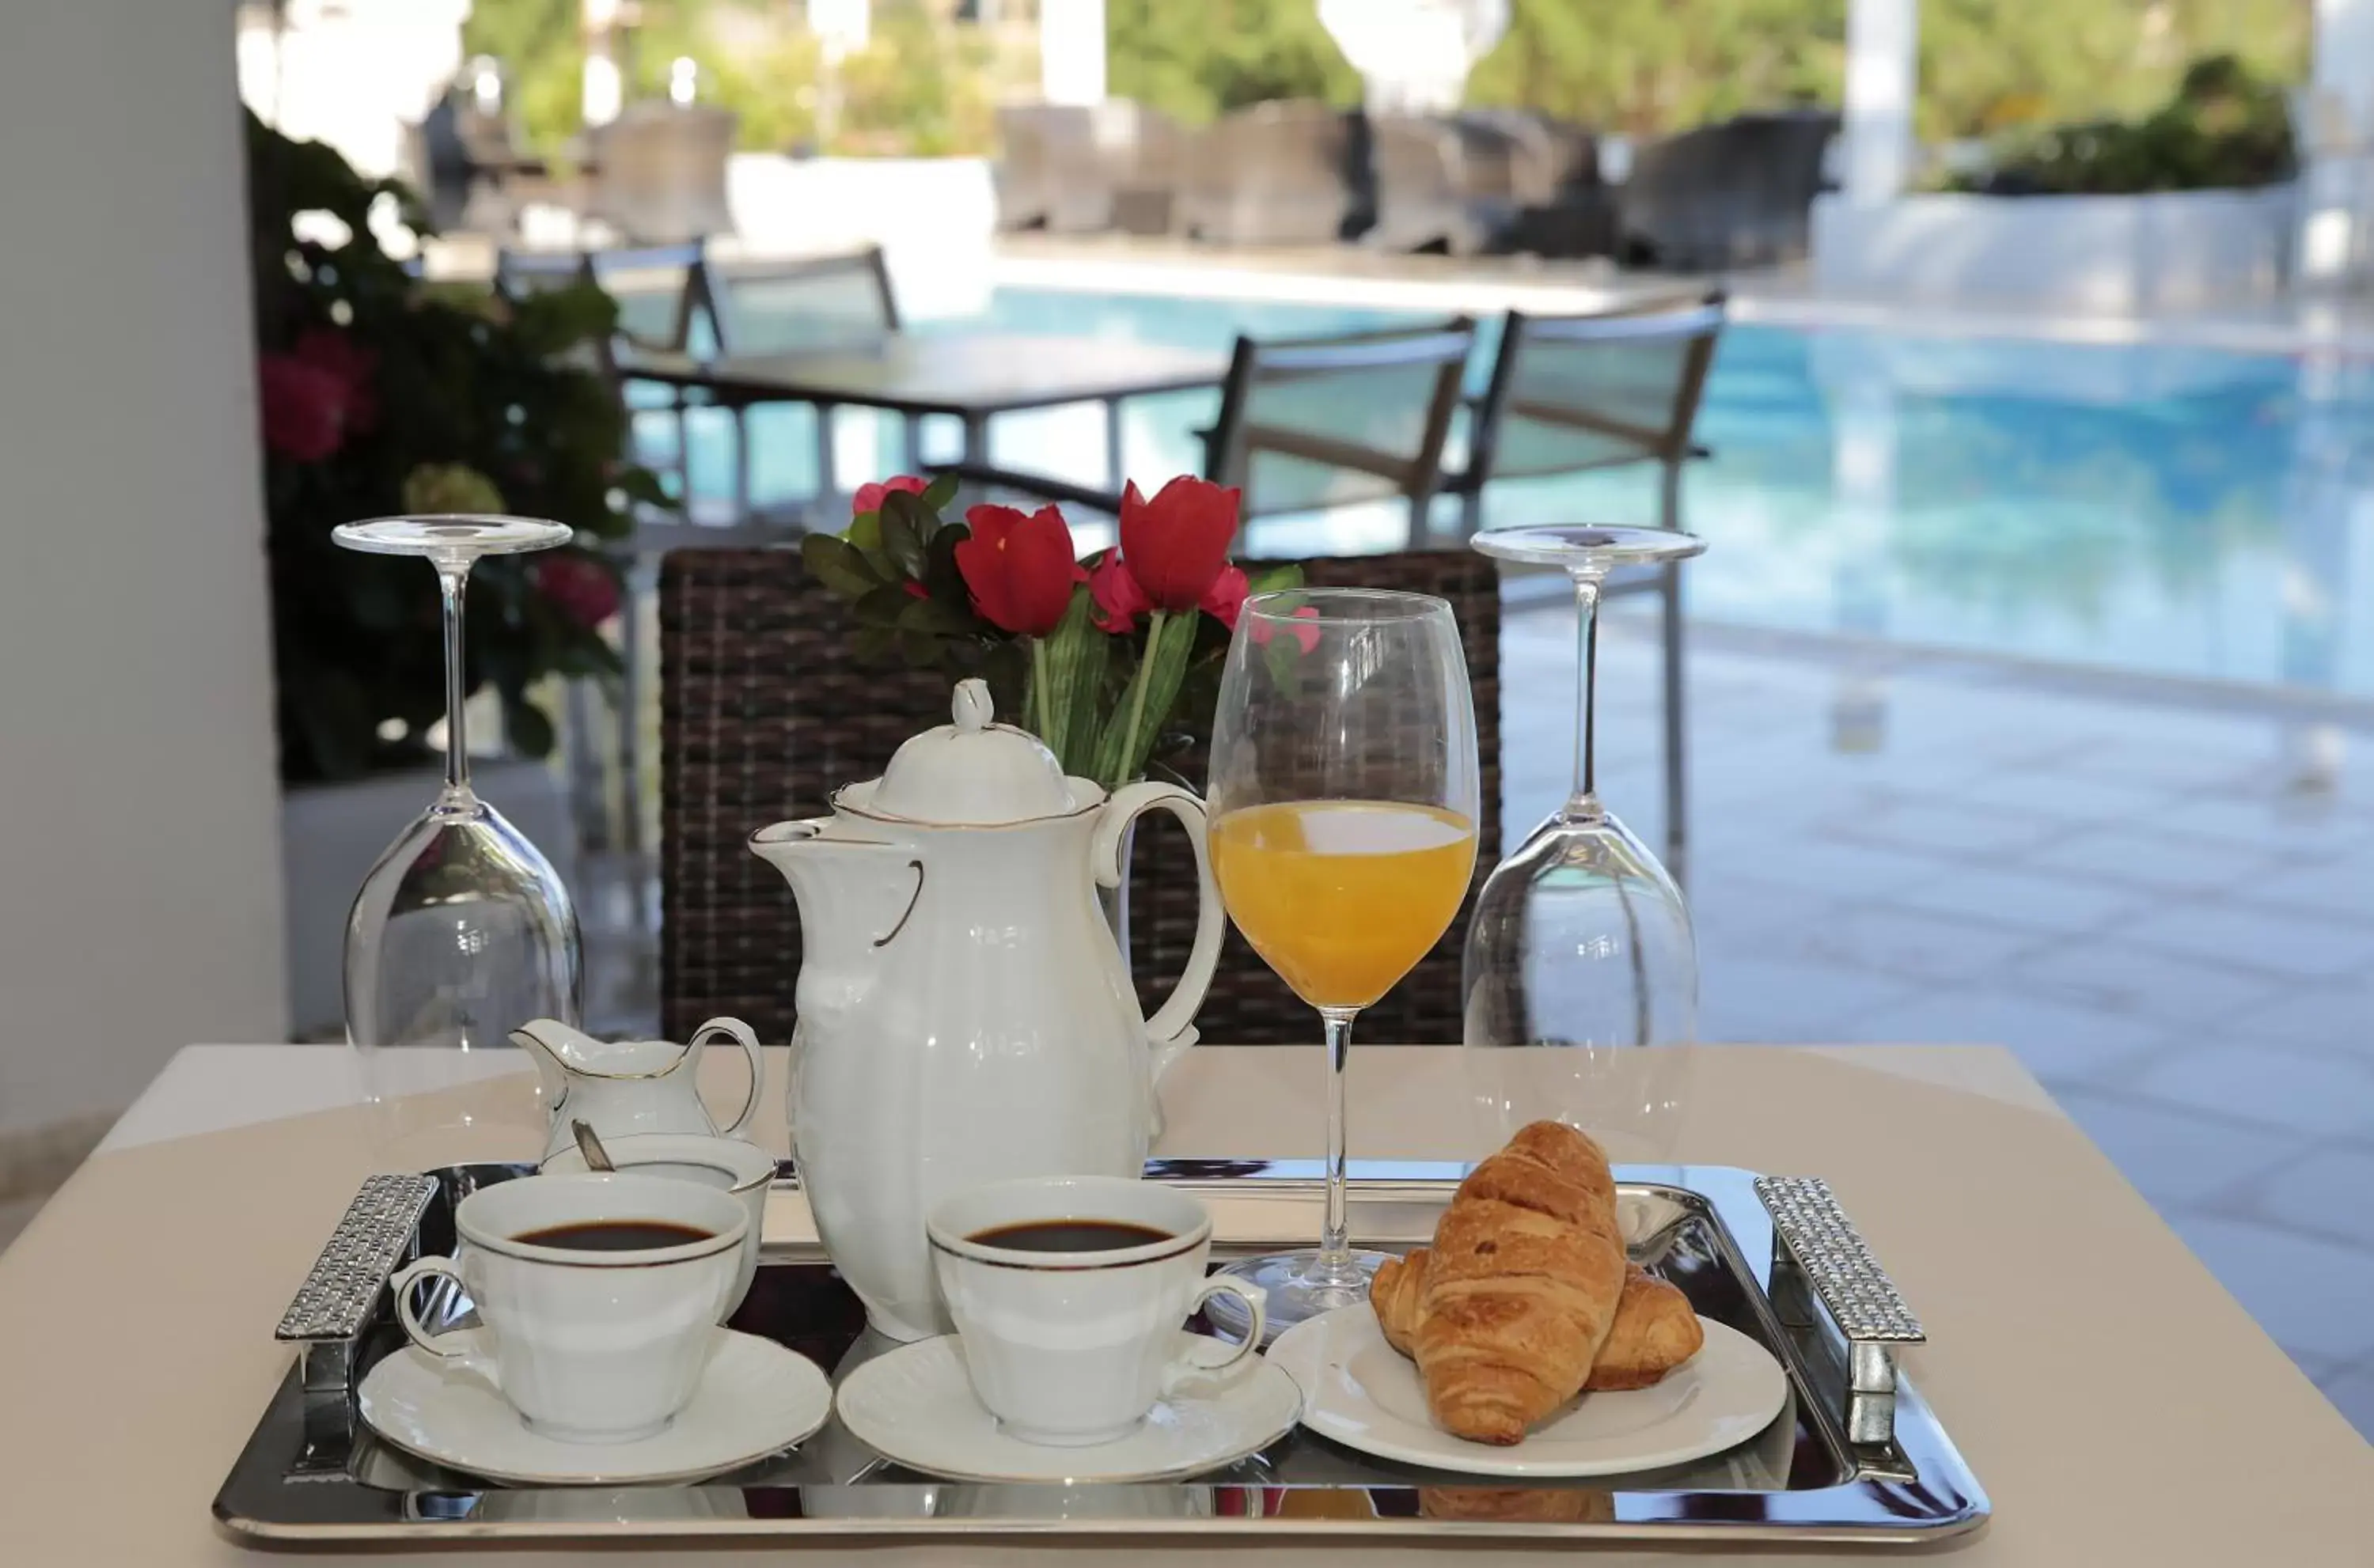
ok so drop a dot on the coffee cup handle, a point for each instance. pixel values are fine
(1256, 1311)
(411, 1274)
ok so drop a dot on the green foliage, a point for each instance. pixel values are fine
(919, 88)
(1647, 66)
(451, 398)
(1198, 60)
(544, 56)
(2224, 128)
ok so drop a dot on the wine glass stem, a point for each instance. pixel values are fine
(1584, 801)
(452, 580)
(1335, 1233)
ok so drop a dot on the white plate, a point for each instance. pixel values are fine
(916, 1405)
(1364, 1394)
(755, 1398)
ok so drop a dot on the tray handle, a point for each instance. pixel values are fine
(341, 1291)
(1811, 1231)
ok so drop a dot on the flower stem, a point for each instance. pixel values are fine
(1040, 689)
(1154, 623)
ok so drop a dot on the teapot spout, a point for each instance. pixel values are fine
(854, 896)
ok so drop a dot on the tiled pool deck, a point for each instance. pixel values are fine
(2148, 904)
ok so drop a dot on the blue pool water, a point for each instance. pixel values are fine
(2164, 511)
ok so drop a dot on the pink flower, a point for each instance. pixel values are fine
(581, 586)
(1225, 596)
(869, 497)
(304, 408)
(1118, 599)
(328, 349)
(1303, 627)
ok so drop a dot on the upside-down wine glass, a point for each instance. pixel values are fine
(1343, 805)
(462, 931)
(1580, 939)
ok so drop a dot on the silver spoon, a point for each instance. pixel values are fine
(590, 1145)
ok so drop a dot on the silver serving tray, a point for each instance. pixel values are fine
(1856, 1457)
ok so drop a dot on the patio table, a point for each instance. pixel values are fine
(972, 376)
(2116, 1403)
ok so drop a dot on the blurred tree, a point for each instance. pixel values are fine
(919, 88)
(1197, 62)
(543, 59)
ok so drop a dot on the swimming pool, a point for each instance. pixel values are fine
(2160, 510)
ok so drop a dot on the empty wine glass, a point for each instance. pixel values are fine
(1580, 940)
(1342, 806)
(462, 931)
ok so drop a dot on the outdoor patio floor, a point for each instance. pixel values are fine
(2146, 901)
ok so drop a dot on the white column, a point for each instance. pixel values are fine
(2337, 151)
(1883, 81)
(1072, 51)
(140, 848)
(605, 89)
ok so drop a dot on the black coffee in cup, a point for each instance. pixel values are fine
(1069, 1235)
(614, 1236)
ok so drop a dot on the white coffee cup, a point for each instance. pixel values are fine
(588, 1346)
(729, 1164)
(1069, 1349)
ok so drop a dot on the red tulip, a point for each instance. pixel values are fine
(580, 587)
(869, 497)
(304, 408)
(1177, 543)
(330, 350)
(1226, 596)
(1303, 627)
(1118, 599)
(1021, 569)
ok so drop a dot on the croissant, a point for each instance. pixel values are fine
(1655, 1329)
(1521, 1286)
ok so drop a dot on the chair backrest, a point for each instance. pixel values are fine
(1571, 392)
(520, 274)
(780, 307)
(660, 172)
(658, 288)
(1327, 421)
(763, 713)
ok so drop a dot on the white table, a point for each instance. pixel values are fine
(2117, 1406)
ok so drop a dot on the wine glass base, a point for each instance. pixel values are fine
(1299, 1285)
(455, 539)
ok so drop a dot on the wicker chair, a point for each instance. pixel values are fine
(763, 714)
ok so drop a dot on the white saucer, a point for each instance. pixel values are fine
(916, 1405)
(755, 1398)
(1364, 1394)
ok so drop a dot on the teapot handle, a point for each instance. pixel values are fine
(740, 1035)
(1171, 1029)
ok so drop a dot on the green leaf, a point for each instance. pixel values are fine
(1163, 671)
(875, 645)
(907, 527)
(527, 728)
(919, 649)
(837, 564)
(864, 535)
(940, 492)
(931, 615)
(1075, 655)
(942, 578)
(885, 605)
(1273, 578)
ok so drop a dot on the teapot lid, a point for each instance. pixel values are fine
(974, 771)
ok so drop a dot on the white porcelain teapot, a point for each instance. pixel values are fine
(964, 1013)
(623, 1087)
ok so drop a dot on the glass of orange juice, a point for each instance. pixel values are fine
(1342, 804)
